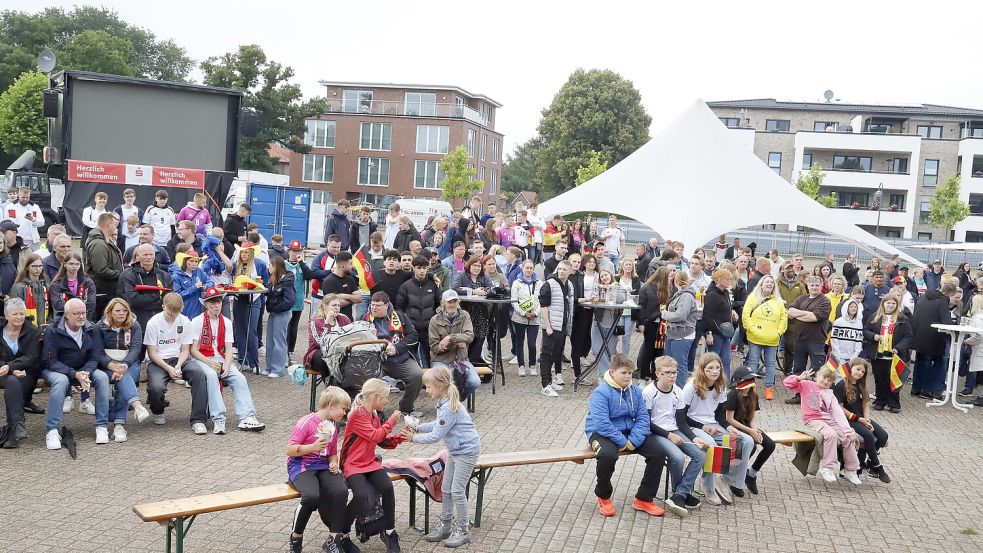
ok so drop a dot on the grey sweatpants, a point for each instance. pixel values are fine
(457, 474)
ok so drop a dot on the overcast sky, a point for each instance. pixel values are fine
(521, 52)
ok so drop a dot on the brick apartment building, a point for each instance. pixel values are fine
(387, 139)
(883, 161)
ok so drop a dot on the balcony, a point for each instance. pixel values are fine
(868, 217)
(412, 109)
(849, 178)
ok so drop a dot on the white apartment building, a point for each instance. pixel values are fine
(883, 162)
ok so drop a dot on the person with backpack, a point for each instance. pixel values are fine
(680, 314)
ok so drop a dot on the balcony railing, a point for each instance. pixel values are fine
(862, 170)
(414, 109)
(874, 207)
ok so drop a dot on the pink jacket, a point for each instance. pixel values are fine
(817, 403)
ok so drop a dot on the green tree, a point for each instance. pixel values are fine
(98, 51)
(593, 168)
(519, 170)
(458, 182)
(595, 111)
(809, 185)
(946, 210)
(21, 125)
(267, 89)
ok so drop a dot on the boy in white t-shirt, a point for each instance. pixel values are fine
(211, 351)
(662, 399)
(161, 217)
(168, 339)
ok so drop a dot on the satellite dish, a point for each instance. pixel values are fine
(828, 95)
(46, 61)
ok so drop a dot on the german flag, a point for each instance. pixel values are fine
(841, 368)
(364, 269)
(718, 457)
(897, 368)
(31, 304)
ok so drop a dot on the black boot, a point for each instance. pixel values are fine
(296, 545)
(391, 539)
(752, 484)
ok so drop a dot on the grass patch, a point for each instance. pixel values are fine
(969, 532)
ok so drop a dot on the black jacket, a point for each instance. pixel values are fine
(281, 296)
(648, 303)
(901, 341)
(161, 256)
(172, 245)
(8, 274)
(28, 350)
(103, 262)
(62, 354)
(716, 308)
(404, 237)
(130, 340)
(354, 239)
(419, 299)
(143, 302)
(933, 308)
(851, 272)
(234, 227)
(642, 263)
(59, 293)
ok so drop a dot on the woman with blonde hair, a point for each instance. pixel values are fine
(122, 340)
(680, 314)
(765, 320)
(247, 310)
(629, 281)
(887, 333)
(719, 317)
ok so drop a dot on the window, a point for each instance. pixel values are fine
(432, 139)
(769, 227)
(851, 163)
(896, 200)
(496, 150)
(373, 171)
(848, 199)
(806, 161)
(975, 133)
(973, 236)
(929, 131)
(977, 166)
(923, 212)
(484, 146)
(775, 161)
(823, 126)
(976, 204)
(356, 101)
(318, 168)
(481, 174)
(421, 103)
(320, 134)
(428, 174)
(779, 125)
(931, 176)
(472, 138)
(493, 186)
(892, 233)
(458, 102)
(731, 122)
(377, 136)
(924, 235)
(899, 165)
(321, 196)
(491, 113)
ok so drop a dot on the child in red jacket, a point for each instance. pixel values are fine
(363, 471)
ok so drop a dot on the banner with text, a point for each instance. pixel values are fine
(130, 174)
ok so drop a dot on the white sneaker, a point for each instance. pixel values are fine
(218, 427)
(514, 361)
(264, 372)
(851, 476)
(52, 440)
(251, 423)
(160, 419)
(199, 428)
(533, 371)
(140, 413)
(558, 379)
(87, 407)
(102, 435)
(711, 497)
(486, 356)
(548, 391)
(828, 475)
(68, 405)
(556, 388)
(180, 382)
(522, 370)
(119, 434)
(723, 491)
(273, 375)
(262, 350)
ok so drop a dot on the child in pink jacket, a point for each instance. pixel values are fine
(822, 413)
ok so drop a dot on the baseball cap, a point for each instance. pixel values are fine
(741, 375)
(296, 246)
(211, 293)
(939, 261)
(449, 295)
(898, 280)
(8, 225)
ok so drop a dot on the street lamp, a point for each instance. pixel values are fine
(878, 196)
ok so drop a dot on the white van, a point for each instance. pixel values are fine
(420, 210)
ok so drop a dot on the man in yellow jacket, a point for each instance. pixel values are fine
(764, 320)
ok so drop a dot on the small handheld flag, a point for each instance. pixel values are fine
(840, 368)
(897, 369)
(718, 457)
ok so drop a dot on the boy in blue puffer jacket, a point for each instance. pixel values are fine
(618, 421)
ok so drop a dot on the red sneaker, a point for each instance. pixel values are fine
(769, 394)
(606, 507)
(648, 506)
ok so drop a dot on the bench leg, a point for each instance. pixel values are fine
(426, 514)
(412, 504)
(471, 401)
(314, 393)
(482, 480)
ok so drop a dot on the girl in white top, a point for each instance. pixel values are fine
(392, 226)
(525, 315)
(590, 277)
(703, 392)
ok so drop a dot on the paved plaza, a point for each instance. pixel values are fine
(52, 503)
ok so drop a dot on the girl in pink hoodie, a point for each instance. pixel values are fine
(822, 413)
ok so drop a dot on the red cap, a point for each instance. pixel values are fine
(296, 246)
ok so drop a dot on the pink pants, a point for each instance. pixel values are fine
(834, 436)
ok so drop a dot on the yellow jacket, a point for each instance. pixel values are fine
(764, 323)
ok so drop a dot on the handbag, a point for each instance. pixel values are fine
(726, 329)
(619, 329)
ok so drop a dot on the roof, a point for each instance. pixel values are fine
(276, 151)
(881, 109)
(459, 90)
(60, 76)
(527, 195)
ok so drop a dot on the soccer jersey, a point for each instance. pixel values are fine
(162, 219)
(305, 432)
(168, 337)
(662, 406)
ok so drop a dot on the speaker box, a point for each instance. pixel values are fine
(250, 123)
(50, 103)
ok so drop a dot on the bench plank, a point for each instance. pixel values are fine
(789, 437)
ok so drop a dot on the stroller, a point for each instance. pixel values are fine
(353, 355)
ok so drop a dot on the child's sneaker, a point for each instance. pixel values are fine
(441, 532)
(251, 424)
(712, 497)
(966, 392)
(522, 370)
(693, 502)
(851, 477)
(769, 394)
(677, 504)
(605, 507)
(827, 474)
(68, 404)
(218, 427)
(724, 493)
(548, 391)
(332, 545)
(296, 545)
(751, 483)
(533, 371)
(558, 379)
(458, 538)
(648, 507)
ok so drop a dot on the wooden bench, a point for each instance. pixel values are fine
(790, 437)
(317, 381)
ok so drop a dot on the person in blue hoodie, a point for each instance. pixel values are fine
(617, 421)
(189, 280)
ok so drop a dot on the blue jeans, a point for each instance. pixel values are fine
(125, 393)
(929, 375)
(242, 400)
(471, 383)
(616, 259)
(754, 357)
(524, 334)
(738, 468)
(602, 354)
(457, 478)
(626, 337)
(276, 342)
(423, 353)
(679, 351)
(59, 384)
(245, 323)
(682, 480)
(721, 346)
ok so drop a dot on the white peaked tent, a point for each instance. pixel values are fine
(696, 181)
